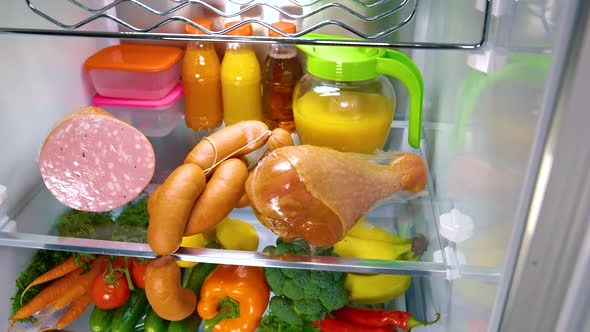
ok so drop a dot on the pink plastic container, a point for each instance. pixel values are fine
(134, 71)
(154, 118)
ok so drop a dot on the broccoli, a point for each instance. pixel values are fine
(311, 309)
(312, 291)
(303, 295)
(271, 323)
(283, 307)
(334, 296)
(292, 290)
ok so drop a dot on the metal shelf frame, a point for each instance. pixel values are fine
(364, 39)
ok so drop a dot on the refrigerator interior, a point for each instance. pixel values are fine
(481, 115)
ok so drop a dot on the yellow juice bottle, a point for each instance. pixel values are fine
(240, 80)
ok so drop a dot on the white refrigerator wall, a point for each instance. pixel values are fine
(42, 79)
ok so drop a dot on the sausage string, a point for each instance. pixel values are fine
(216, 162)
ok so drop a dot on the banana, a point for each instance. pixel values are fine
(364, 240)
(370, 249)
(363, 229)
(375, 288)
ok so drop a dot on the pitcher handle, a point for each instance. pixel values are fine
(400, 66)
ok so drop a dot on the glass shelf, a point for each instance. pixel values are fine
(32, 226)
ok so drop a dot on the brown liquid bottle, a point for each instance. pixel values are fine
(281, 72)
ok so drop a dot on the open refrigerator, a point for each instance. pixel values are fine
(503, 134)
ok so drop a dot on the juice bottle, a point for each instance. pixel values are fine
(202, 82)
(240, 80)
(280, 74)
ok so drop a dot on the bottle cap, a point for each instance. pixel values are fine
(285, 27)
(244, 30)
(203, 22)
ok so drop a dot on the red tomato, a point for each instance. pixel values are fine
(137, 270)
(107, 295)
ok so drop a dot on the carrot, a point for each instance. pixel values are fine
(61, 270)
(48, 295)
(82, 286)
(75, 310)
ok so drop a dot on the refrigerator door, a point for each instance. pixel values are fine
(548, 290)
(492, 125)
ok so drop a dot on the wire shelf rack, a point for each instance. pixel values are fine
(367, 23)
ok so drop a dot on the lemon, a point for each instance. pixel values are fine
(234, 234)
(193, 241)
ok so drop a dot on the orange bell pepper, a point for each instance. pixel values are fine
(233, 298)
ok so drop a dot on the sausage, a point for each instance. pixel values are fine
(243, 201)
(152, 199)
(93, 162)
(279, 137)
(172, 206)
(164, 290)
(231, 141)
(221, 194)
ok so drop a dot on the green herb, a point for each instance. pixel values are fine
(129, 226)
(43, 261)
(84, 264)
(135, 213)
(82, 224)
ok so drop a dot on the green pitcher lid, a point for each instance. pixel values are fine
(342, 63)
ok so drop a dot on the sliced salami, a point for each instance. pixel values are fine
(94, 162)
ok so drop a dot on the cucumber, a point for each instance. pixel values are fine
(100, 319)
(189, 324)
(198, 276)
(154, 323)
(128, 315)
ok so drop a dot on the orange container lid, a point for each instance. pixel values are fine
(244, 30)
(204, 22)
(134, 57)
(286, 27)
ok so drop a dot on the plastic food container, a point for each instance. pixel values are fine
(154, 118)
(133, 71)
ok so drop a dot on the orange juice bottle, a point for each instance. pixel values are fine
(280, 74)
(240, 80)
(202, 82)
